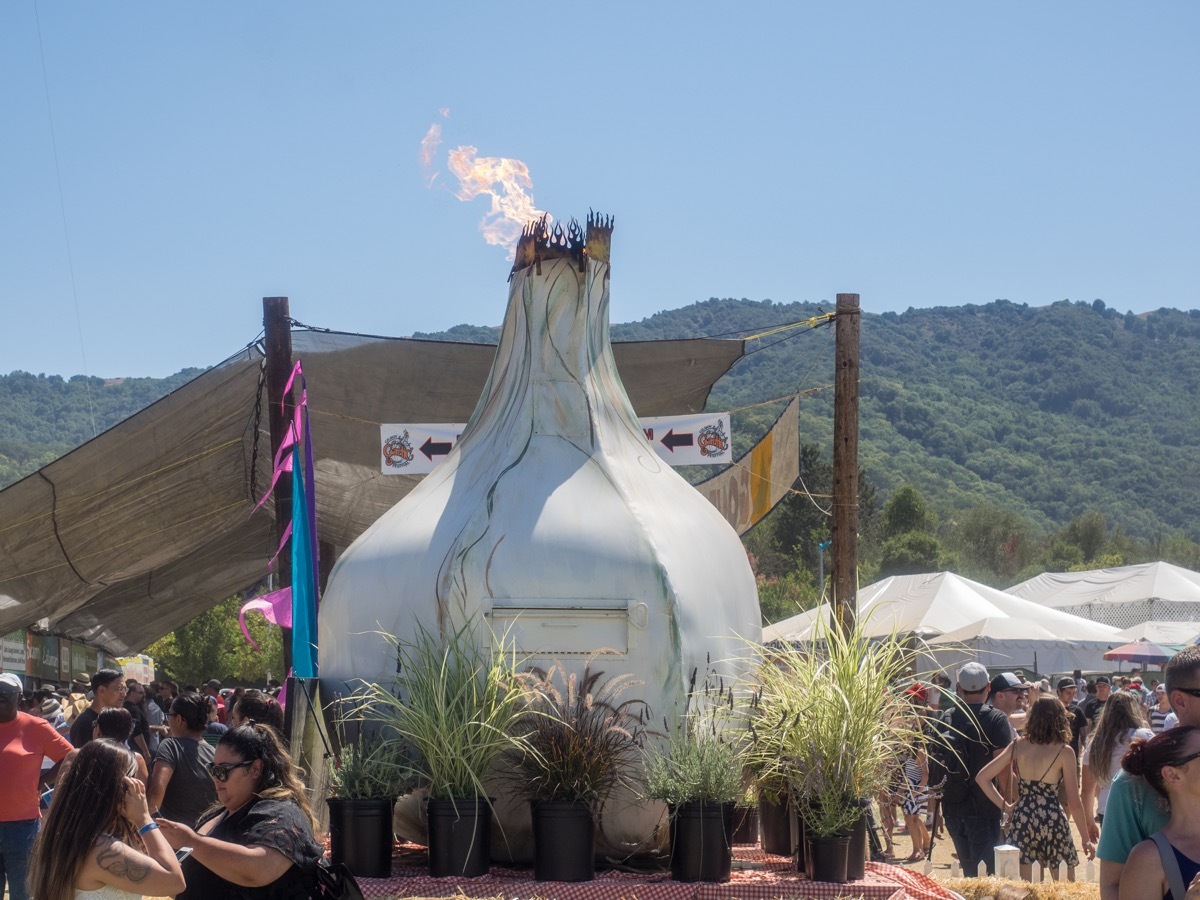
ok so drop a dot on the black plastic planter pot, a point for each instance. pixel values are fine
(460, 837)
(856, 862)
(360, 835)
(775, 824)
(745, 824)
(564, 837)
(827, 858)
(700, 841)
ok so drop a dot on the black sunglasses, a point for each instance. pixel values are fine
(1192, 692)
(1180, 763)
(220, 771)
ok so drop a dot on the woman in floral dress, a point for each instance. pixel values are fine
(1042, 759)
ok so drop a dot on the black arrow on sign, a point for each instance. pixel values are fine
(430, 449)
(671, 440)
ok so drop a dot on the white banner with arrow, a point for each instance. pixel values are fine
(704, 439)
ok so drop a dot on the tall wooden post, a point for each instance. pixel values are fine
(844, 552)
(277, 328)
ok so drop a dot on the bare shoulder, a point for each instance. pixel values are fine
(1142, 868)
(111, 859)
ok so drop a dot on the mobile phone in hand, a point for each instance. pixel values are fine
(183, 853)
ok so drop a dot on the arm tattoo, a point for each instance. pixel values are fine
(111, 859)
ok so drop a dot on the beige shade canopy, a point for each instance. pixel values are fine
(152, 522)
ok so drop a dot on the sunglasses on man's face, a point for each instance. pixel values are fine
(220, 771)
(1191, 692)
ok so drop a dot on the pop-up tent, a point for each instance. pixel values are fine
(964, 620)
(1122, 596)
(1169, 634)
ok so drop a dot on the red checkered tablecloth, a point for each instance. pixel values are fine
(756, 876)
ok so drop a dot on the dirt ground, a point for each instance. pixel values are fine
(944, 857)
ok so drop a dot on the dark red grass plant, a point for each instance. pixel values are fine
(583, 736)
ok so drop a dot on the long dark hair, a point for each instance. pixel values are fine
(1147, 758)
(86, 805)
(280, 777)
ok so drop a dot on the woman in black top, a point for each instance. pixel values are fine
(181, 788)
(1170, 763)
(259, 843)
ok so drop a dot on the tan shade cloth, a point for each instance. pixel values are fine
(151, 523)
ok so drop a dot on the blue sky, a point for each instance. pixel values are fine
(919, 154)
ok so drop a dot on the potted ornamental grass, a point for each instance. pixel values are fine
(580, 738)
(826, 722)
(457, 703)
(697, 771)
(366, 778)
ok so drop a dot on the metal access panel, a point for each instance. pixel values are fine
(547, 628)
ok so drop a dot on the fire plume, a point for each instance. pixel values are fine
(429, 147)
(506, 182)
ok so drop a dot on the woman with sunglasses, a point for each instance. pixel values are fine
(180, 787)
(258, 844)
(98, 841)
(1168, 864)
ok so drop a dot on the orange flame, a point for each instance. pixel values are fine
(506, 181)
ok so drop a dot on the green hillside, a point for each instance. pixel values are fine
(1045, 412)
(44, 416)
(1041, 415)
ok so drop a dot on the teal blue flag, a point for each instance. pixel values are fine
(304, 581)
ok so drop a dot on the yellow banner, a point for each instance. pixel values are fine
(750, 488)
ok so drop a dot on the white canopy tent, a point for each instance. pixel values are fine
(1123, 596)
(1171, 634)
(965, 620)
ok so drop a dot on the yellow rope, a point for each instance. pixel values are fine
(809, 323)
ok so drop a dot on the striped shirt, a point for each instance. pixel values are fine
(1158, 719)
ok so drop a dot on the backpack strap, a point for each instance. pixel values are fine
(1170, 865)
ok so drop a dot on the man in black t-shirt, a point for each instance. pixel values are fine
(973, 821)
(1094, 704)
(108, 690)
(1066, 695)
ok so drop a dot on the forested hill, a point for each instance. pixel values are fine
(1047, 412)
(44, 416)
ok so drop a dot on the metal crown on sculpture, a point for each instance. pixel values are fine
(552, 520)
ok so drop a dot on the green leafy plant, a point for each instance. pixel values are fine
(372, 770)
(828, 719)
(702, 758)
(455, 702)
(580, 736)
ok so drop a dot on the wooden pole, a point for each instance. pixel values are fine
(844, 550)
(277, 328)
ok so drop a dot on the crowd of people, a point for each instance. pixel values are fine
(191, 793)
(1008, 760)
(150, 790)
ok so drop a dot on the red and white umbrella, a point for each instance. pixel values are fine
(1144, 652)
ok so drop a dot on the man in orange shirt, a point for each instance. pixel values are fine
(24, 741)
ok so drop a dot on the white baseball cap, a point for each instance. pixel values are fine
(14, 680)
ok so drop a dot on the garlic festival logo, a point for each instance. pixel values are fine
(398, 451)
(712, 440)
